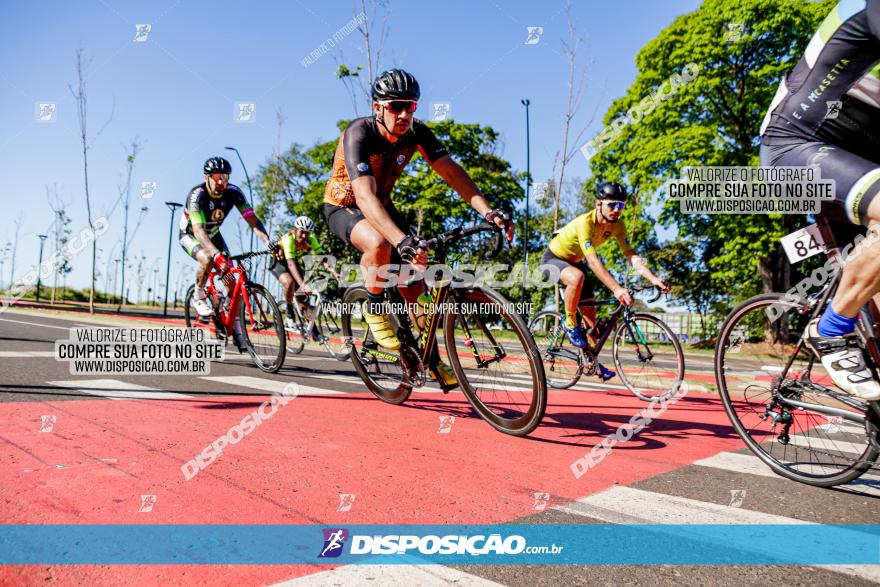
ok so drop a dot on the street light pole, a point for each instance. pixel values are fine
(43, 238)
(525, 102)
(250, 189)
(171, 206)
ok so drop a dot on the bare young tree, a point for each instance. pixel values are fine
(125, 196)
(60, 230)
(80, 96)
(577, 76)
(374, 32)
(14, 254)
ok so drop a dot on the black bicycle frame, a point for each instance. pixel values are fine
(867, 328)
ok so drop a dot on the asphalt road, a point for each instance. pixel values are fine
(112, 440)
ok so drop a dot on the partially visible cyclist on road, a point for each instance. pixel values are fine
(826, 113)
(294, 245)
(573, 252)
(207, 206)
(372, 153)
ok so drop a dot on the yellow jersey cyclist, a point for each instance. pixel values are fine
(371, 154)
(293, 246)
(573, 252)
(207, 206)
(826, 113)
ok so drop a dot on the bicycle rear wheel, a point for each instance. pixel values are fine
(804, 445)
(648, 357)
(262, 328)
(296, 340)
(380, 369)
(496, 362)
(192, 317)
(563, 362)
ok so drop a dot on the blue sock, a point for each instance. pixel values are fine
(833, 324)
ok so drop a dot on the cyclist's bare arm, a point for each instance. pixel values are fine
(364, 189)
(202, 236)
(641, 267)
(258, 228)
(294, 270)
(596, 266)
(458, 179)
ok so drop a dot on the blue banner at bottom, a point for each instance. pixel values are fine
(637, 544)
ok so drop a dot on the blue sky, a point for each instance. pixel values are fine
(176, 92)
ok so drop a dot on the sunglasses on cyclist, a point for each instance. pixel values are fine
(397, 106)
(219, 177)
(616, 205)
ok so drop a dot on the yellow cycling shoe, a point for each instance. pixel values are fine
(383, 332)
(446, 376)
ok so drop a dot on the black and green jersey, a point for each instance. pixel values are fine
(210, 211)
(839, 71)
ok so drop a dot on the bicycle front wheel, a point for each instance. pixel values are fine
(802, 444)
(648, 357)
(262, 328)
(381, 370)
(496, 362)
(330, 328)
(563, 362)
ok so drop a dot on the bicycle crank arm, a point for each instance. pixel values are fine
(383, 355)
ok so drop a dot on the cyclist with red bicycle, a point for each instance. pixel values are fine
(207, 206)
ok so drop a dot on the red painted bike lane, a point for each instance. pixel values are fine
(402, 465)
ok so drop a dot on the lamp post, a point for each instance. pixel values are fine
(525, 102)
(43, 238)
(250, 190)
(171, 206)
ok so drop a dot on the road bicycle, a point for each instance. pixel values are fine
(646, 352)
(780, 399)
(244, 311)
(320, 323)
(487, 343)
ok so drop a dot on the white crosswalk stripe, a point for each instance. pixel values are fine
(25, 354)
(627, 505)
(752, 465)
(824, 443)
(115, 389)
(390, 576)
(269, 385)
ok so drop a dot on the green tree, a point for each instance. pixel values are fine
(713, 120)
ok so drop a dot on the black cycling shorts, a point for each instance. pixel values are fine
(588, 291)
(192, 245)
(857, 178)
(342, 220)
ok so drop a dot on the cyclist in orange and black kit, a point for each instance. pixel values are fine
(826, 113)
(372, 153)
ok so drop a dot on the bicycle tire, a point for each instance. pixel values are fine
(254, 291)
(555, 358)
(731, 342)
(471, 386)
(626, 374)
(191, 317)
(367, 365)
(334, 341)
(296, 340)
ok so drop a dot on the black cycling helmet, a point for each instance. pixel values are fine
(396, 84)
(611, 190)
(217, 165)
